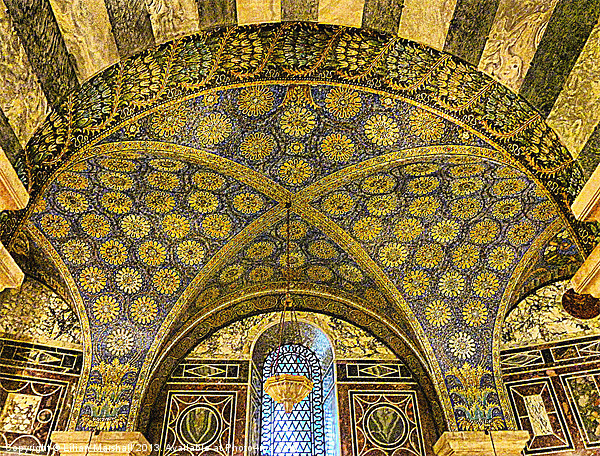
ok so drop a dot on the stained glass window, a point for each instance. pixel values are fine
(301, 432)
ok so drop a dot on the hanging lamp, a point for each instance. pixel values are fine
(287, 389)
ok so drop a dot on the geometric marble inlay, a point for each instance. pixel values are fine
(385, 423)
(18, 414)
(540, 422)
(537, 410)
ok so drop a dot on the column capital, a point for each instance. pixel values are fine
(11, 275)
(478, 443)
(586, 206)
(104, 443)
(13, 195)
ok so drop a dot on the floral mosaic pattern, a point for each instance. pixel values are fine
(297, 52)
(314, 260)
(306, 133)
(559, 257)
(132, 246)
(449, 233)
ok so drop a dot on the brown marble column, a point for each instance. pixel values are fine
(505, 443)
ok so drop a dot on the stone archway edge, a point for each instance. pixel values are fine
(87, 443)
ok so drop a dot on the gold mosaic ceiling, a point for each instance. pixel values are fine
(546, 50)
(424, 200)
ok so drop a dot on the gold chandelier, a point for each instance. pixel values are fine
(287, 389)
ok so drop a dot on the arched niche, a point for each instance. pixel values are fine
(41, 359)
(373, 377)
(311, 428)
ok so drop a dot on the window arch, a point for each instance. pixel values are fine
(301, 432)
(312, 427)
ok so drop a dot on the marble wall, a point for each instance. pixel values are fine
(235, 341)
(554, 393)
(33, 312)
(214, 395)
(37, 384)
(540, 318)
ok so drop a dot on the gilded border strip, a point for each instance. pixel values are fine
(81, 314)
(346, 242)
(523, 265)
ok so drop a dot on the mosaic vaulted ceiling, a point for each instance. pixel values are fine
(545, 50)
(421, 191)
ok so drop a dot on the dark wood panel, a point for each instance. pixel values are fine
(590, 154)
(8, 140)
(382, 15)
(293, 10)
(216, 13)
(131, 26)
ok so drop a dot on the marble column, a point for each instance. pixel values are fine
(505, 443)
(13, 197)
(586, 208)
(104, 443)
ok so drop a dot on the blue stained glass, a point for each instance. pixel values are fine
(301, 432)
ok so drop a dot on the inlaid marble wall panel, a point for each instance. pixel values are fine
(584, 392)
(426, 22)
(21, 97)
(382, 414)
(36, 391)
(258, 11)
(22, 356)
(538, 411)
(385, 421)
(254, 411)
(173, 18)
(87, 32)
(516, 32)
(204, 422)
(30, 410)
(216, 371)
(554, 391)
(577, 109)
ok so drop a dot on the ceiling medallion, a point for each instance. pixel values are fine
(287, 389)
